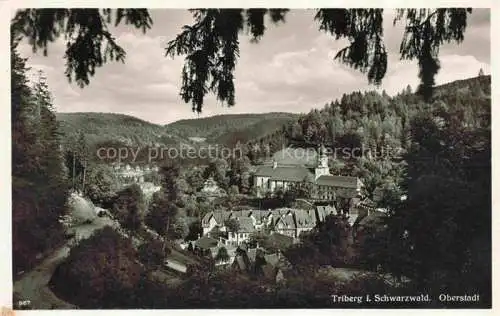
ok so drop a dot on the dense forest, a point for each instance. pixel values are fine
(103, 129)
(223, 129)
(109, 130)
(370, 132)
(39, 176)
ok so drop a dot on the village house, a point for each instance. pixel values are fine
(210, 247)
(287, 221)
(272, 267)
(285, 225)
(274, 177)
(205, 245)
(212, 220)
(290, 222)
(305, 220)
(246, 228)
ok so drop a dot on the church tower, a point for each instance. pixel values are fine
(322, 163)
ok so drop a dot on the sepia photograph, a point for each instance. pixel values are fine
(251, 158)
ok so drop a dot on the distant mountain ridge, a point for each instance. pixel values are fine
(222, 128)
(111, 127)
(115, 129)
(101, 127)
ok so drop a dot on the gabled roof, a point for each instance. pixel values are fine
(325, 210)
(338, 181)
(246, 225)
(294, 173)
(304, 219)
(206, 219)
(281, 211)
(259, 215)
(220, 217)
(240, 213)
(287, 221)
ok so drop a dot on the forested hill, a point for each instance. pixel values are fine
(112, 128)
(368, 119)
(376, 123)
(375, 119)
(100, 128)
(222, 129)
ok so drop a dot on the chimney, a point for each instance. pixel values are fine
(275, 164)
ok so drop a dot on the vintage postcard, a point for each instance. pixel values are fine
(251, 158)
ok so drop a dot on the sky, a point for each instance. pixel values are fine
(290, 70)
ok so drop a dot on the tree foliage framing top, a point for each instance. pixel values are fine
(210, 45)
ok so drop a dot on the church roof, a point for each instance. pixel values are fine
(296, 173)
(338, 181)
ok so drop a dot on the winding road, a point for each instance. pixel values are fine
(33, 289)
(172, 264)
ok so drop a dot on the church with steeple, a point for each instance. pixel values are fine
(275, 176)
(322, 168)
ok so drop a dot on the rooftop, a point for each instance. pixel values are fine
(206, 242)
(293, 173)
(246, 225)
(305, 218)
(325, 210)
(338, 181)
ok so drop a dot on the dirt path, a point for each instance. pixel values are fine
(33, 287)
